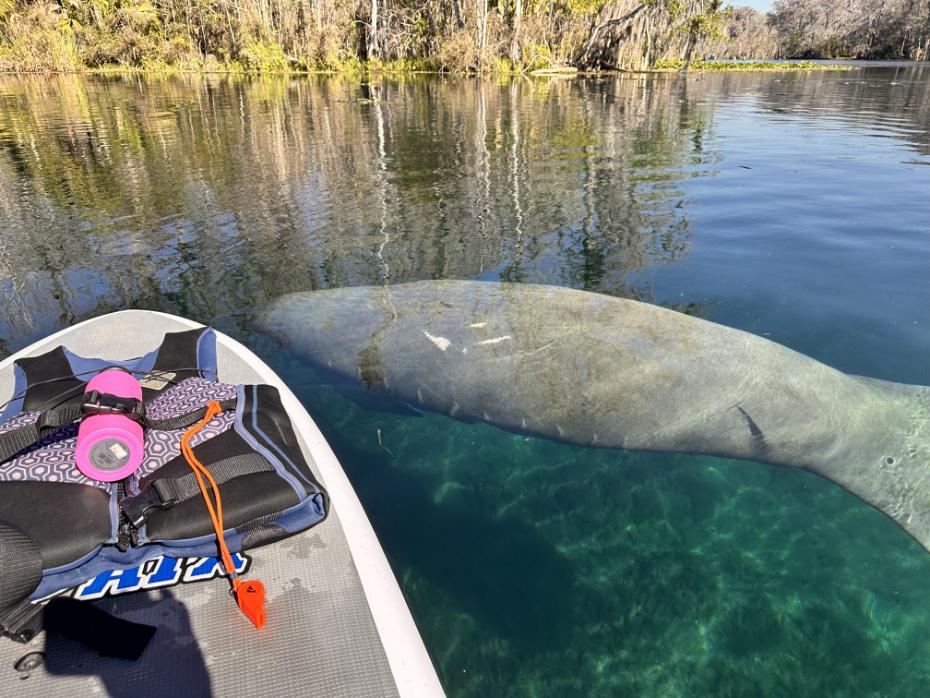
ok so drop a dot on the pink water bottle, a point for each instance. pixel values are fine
(110, 439)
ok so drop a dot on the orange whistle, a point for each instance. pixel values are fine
(250, 595)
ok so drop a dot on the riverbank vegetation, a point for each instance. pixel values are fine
(441, 35)
(853, 28)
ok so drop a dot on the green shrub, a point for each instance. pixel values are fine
(264, 56)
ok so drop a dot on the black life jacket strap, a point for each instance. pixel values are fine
(21, 622)
(183, 421)
(166, 492)
(12, 442)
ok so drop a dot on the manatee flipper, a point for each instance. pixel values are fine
(602, 371)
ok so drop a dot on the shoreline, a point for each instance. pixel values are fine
(662, 68)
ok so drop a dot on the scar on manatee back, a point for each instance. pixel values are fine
(758, 437)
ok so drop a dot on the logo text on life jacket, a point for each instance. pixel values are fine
(157, 573)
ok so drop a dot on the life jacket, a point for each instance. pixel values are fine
(59, 529)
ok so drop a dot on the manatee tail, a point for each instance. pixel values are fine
(891, 471)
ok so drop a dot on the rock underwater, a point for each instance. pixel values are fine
(602, 371)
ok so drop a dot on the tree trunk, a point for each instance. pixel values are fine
(602, 48)
(688, 50)
(482, 31)
(515, 39)
(232, 34)
(190, 32)
(373, 49)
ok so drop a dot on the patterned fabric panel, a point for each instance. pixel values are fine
(189, 395)
(163, 446)
(18, 421)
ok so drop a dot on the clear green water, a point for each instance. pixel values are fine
(795, 206)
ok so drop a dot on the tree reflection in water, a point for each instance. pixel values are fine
(207, 196)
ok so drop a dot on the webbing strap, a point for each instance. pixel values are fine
(166, 492)
(12, 442)
(21, 622)
(180, 489)
(183, 421)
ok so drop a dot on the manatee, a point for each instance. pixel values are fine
(601, 371)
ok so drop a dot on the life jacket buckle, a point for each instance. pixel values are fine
(96, 403)
(137, 507)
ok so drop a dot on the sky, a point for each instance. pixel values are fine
(761, 5)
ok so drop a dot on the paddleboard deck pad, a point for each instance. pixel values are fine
(337, 623)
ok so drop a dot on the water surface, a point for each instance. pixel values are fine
(792, 205)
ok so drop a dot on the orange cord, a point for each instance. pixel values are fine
(251, 599)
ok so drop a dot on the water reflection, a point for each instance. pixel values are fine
(892, 102)
(207, 196)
